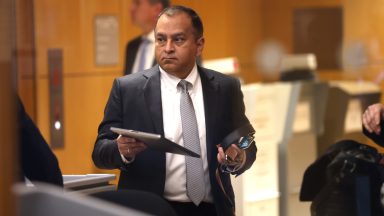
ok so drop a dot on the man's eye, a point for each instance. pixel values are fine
(160, 40)
(179, 40)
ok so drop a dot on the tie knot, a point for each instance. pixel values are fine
(184, 85)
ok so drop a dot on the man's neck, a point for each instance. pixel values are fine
(180, 75)
(147, 29)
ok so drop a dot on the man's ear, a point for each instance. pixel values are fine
(200, 46)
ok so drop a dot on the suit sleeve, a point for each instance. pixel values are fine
(240, 119)
(105, 153)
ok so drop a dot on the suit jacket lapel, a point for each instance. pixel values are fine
(210, 91)
(152, 95)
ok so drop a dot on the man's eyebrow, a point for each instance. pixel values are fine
(172, 35)
(178, 34)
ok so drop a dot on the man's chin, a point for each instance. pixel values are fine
(167, 65)
(170, 68)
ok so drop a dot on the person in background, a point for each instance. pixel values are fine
(372, 123)
(139, 52)
(38, 162)
(187, 104)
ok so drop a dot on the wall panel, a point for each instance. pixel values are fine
(69, 25)
(83, 112)
(232, 28)
(277, 22)
(363, 24)
(25, 55)
(8, 146)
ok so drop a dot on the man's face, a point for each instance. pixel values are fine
(176, 46)
(143, 12)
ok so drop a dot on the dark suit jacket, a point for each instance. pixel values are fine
(378, 139)
(130, 54)
(135, 103)
(38, 162)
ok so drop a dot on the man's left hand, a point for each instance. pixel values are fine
(233, 154)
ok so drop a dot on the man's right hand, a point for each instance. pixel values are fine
(129, 147)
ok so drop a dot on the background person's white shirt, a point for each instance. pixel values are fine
(150, 53)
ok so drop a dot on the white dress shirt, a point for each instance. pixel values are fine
(175, 181)
(150, 53)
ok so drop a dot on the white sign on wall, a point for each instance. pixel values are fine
(106, 40)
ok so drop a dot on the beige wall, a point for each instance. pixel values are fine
(8, 145)
(25, 55)
(363, 22)
(232, 28)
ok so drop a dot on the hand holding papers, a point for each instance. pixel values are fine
(155, 142)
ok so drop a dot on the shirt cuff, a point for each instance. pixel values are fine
(127, 160)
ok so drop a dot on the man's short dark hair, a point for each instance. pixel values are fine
(196, 21)
(164, 3)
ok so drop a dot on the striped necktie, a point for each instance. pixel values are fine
(194, 166)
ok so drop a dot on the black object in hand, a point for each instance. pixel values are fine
(378, 139)
(242, 136)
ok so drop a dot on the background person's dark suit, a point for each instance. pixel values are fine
(130, 54)
(38, 162)
(135, 103)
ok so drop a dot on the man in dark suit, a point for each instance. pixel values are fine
(150, 101)
(139, 52)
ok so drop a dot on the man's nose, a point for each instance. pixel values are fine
(169, 46)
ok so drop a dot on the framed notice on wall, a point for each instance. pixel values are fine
(106, 40)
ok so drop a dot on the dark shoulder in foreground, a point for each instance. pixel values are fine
(139, 79)
(141, 75)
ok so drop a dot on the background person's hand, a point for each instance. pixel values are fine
(371, 118)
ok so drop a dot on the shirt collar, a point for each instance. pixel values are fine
(150, 36)
(172, 81)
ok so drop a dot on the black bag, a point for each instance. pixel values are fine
(346, 180)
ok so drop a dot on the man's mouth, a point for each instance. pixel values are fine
(168, 58)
